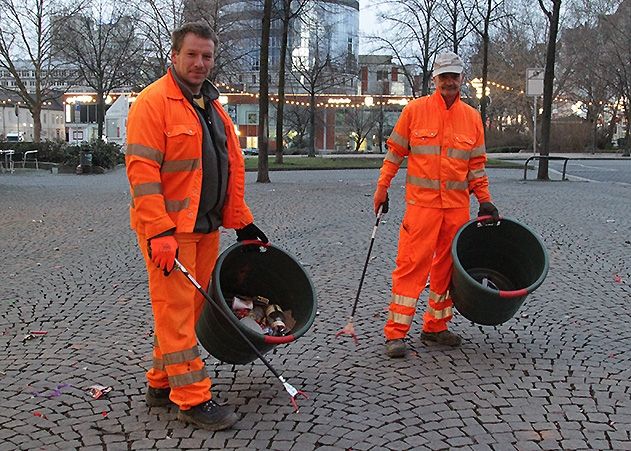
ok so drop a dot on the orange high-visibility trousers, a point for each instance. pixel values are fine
(425, 241)
(177, 305)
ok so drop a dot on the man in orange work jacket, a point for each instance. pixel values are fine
(187, 178)
(443, 139)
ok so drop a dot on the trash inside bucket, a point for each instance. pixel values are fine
(495, 268)
(248, 270)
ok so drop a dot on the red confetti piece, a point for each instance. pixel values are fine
(617, 278)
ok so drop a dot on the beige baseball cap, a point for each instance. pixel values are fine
(447, 62)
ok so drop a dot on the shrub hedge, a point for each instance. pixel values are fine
(105, 155)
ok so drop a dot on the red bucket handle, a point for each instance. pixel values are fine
(485, 217)
(278, 340)
(513, 294)
(255, 242)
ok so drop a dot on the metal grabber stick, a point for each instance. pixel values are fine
(349, 329)
(293, 393)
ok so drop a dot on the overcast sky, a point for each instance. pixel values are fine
(367, 22)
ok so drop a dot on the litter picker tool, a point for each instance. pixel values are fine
(349, 329)
(293, 392)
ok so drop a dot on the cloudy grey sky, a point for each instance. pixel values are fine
(367, 22)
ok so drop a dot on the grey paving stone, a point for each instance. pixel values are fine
(545, 378)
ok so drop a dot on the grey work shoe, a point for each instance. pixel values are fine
(209, 415)
(444, 337)
(158, 397)
(395, 348)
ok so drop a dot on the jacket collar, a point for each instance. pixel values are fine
(178, 90)
(441, 102)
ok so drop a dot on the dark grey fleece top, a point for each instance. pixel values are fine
(214, 158)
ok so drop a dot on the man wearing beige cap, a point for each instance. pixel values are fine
(443, 139)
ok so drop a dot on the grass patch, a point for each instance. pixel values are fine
(302, 163)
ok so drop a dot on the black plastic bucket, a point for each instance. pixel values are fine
(253, 269)
(495, 267)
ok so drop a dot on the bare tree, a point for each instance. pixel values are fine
(481, 16)
(318, 72)
(263, 129)
(296, 124)
(27, 44)
(361, 121)
(615, 28)
(156, 20)
(548, 81)
(453, 26)
(290, 10)
(390, 45)
(412, 23)
(102, 43)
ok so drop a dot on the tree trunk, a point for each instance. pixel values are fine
(548, 81)
(100, 114)
(281, 84)
(36, 112)
(263, 173)
(312, 110)
(484, 101)
(380, 128)
(627, 134)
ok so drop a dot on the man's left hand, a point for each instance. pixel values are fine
(251, 232)
(488, 209)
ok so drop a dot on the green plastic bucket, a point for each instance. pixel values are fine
(495, 267)
(252, 268)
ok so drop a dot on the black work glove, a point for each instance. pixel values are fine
(385, 206)
(488, 209)
(251, 232)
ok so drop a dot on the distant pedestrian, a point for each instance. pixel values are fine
(443, 139)
(187, 177)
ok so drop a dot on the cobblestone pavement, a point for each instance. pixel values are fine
(556, 376)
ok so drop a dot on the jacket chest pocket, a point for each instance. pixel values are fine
(424, 137)
(462, 141)
(181, 140)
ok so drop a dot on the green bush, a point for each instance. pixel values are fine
(106, 155)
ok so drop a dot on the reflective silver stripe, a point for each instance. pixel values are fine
(155, 341)
(173, 205)
(478, 151)
(131, 203)
(440, 314)
(433, 296)
(145, 189)
(398, 139)
(187, 355)
(425, 150)
(404, 300)
(393, 158)
(180, 380)
(476, 174)
(453, 185)
(459, 154)
(400, 318)
(179, 165)
(424, 183)
(158, 364)
(149, 153)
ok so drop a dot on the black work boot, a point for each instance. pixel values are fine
(158, 397)
(395, 348)
(444, 337)
(209, 415)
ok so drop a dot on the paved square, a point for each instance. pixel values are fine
(556, 376)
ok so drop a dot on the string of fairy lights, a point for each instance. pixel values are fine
(353, 101)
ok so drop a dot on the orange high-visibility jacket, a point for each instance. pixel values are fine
(164, 163)
(445, 150)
